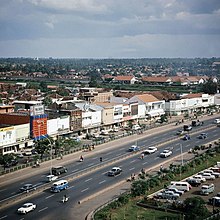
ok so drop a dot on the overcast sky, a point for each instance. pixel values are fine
(109, 28)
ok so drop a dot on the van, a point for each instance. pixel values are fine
(207, 189)
(185, 186)
(59, 185)
(58, 170)
(217, 121)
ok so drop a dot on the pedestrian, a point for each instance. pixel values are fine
(142, 156)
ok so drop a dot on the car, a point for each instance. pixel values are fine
(200, 178)
(115, 129)
(11, 163)
(180, 192)
(207, 176)
(133, 148)
(215, 201)
(203, 136)
(216, 174)
(180, 132)
(150, 150)
(167, 195)
(19, 155)
(187, 127)
(27, 188)
(136, 127)
(115, 171)
(104, 132)
(27, 153)
(194, 182)
(51, 178)
(186, 137)
(166, 153)
(26, 207)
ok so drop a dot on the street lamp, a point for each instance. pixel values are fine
(181, 153)
(50, 152)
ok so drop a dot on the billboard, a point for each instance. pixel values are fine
(36, 110)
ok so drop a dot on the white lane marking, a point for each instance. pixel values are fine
(187, 145)
(102, 181)
(42, 175)
(43, 209)
(70, 187)
(49, 196)
(2, 190)
(13, 193)
(119, 154)
(94, 158)
(108, 153)
(215, 135)
(88, 180)
(156, 158)
(90, 164)
(131, 168)
(106, 158)
(197, 141)
(84, 190)
(104, 172)
(4, 217)
(132, 161)
(122, 148)
(74, 170)
(178, 149)
(144, 163)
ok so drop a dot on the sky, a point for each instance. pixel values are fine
(110, 28)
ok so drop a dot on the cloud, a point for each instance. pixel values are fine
(109, 23)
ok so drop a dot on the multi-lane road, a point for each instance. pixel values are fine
(89, 177)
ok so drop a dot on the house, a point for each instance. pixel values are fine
(148, 105)
(125, 79)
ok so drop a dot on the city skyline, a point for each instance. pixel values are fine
(110, 29)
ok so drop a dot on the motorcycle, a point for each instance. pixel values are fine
(65, 199)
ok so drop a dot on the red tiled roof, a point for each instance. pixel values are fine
(124, 78)
(192, 95)
(147, 98)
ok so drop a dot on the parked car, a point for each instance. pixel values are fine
(104, 132)
(136, 127)
(27, 207)
(180, 192)
(215, 201)
(11, 163)
(207, 176)
(194, 182)
(27, 188)
(115, 171)
(207, 189)
(200, 178)
(166, 153)
(167, 195)
(150, 150)
(216, 174)
(203, 136)
(134, 148)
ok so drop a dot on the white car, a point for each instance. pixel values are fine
(208, 176)
(166, 153)
(27, 207)
(216, 174)
(200, 178)
(104, 132)
(150, 150)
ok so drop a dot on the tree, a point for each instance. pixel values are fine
(47, 101)
(209, 87)
(138, 188)
(5, 159)
(195, 208)
(43, 146)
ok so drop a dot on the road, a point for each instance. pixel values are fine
(89, 183)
